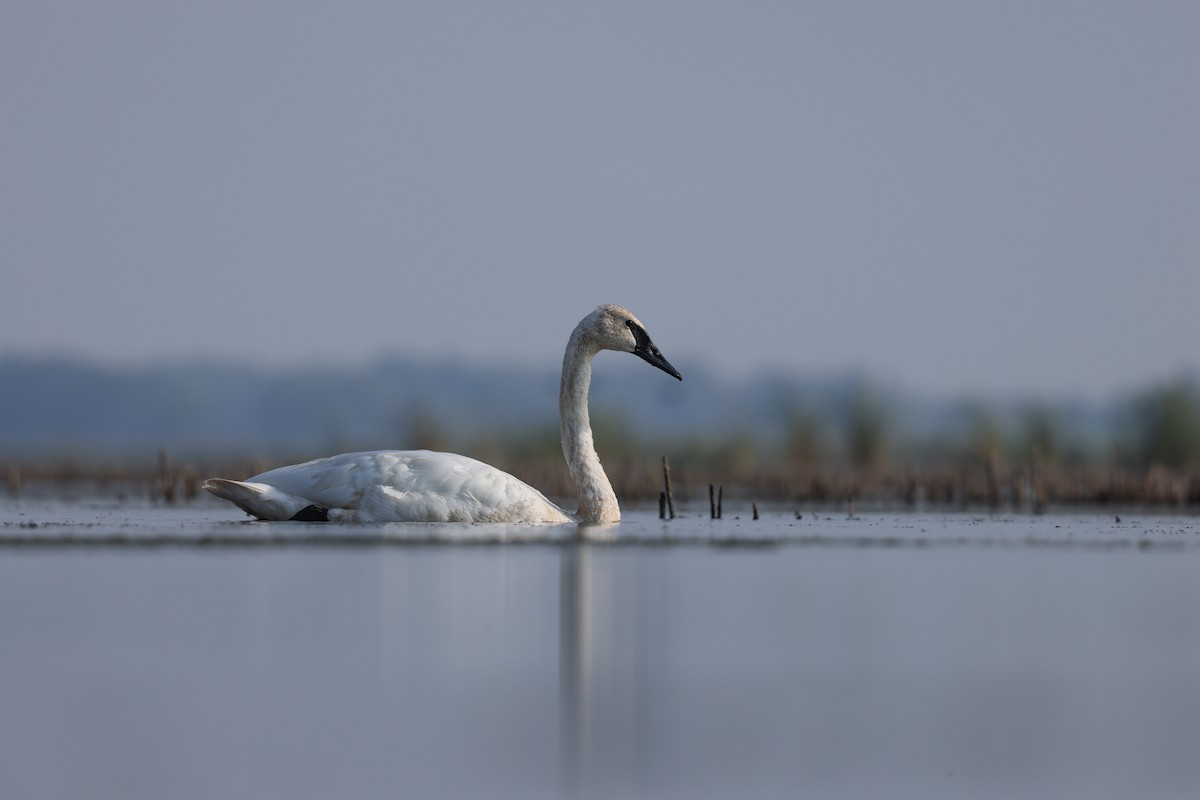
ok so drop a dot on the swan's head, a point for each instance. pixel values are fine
(614, 328)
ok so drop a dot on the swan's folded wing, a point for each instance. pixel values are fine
(413, 485)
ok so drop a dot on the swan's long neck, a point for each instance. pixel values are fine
(597, 500)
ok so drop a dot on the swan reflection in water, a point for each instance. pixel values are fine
(609, 610)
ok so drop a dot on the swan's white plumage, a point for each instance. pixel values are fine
(424, 486)
(392, 486)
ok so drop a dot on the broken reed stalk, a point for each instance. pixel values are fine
(191, 483)
(712, 503)
(662, 505)
(667, 481)
(720, 495)
(1037, 477)
(992, 483)
(166, 479)
(754, 508)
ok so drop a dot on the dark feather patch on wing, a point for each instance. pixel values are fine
(312, 513)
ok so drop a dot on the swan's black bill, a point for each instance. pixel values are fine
(646, 351)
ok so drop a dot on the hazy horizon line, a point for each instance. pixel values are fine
(871, 379)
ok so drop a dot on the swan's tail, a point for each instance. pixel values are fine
(259, 499)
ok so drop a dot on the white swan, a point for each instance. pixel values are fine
(422, 486)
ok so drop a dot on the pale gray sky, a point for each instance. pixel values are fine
(955, 196)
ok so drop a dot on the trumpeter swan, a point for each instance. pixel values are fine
(422, 486)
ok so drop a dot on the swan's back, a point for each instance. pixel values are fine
(392, 486)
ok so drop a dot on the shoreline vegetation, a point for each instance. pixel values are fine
(844, 444)
(1032, 486)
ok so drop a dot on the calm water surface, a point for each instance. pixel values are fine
(184, 652)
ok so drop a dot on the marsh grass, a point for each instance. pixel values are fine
(989, 484)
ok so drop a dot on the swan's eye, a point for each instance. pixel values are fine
(629, 324)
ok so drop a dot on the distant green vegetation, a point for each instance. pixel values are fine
(1167, 421)
(775, 437)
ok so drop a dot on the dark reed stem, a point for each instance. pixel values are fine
(166, 480)
(667, 481)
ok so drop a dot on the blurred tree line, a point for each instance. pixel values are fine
(863, 442)
(1158, 427)
(1166, 421)
(1150, 453)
